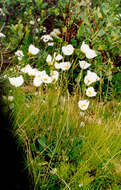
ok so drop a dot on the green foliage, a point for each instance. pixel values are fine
(61, 153)
(96, 23)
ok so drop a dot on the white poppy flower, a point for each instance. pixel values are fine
(49, 60)
(32, 22)
(55, 32)
(84, 47)
(57, 57)
(26, 68)
(88, 51)
(82, 124)
(46, 38)
(37, 81)
(19, 54)
(29, 70)
(54, 76)
(32, 72)
(57, 65)
(84, 64)
(83, 104)
(90, 92)
(65, 65)
(68, 50)
(91, 54)
(16, 81)
(43, 77)
(38, 20)
(38, 78)
(39, 74)
(90, 78)
(33, 50)
(50, 43)
(46, 79)
(80, 185)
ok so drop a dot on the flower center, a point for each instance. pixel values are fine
(83, 105)
(29, 53)
(45, 79)
(90, 93)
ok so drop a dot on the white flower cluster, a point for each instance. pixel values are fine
(16, 81)
(90, 78)
(54, 61)
(64, 65)
(39, 77)
(55, 32)
(88, 52)
(19, 54)
(57, 60)
(10, 100)
(29, 70)
(32, 50)
(48, 38)
(42, 28)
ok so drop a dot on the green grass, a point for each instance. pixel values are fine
(65, 150)
(47, 124)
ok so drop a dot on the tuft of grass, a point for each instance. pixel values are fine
(62, 154)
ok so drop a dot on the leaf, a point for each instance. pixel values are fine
(101, 33)
(74, 42)
(44, 5)
(42, 141)
(99, 13)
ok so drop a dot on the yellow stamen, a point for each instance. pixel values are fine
(29, 53)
